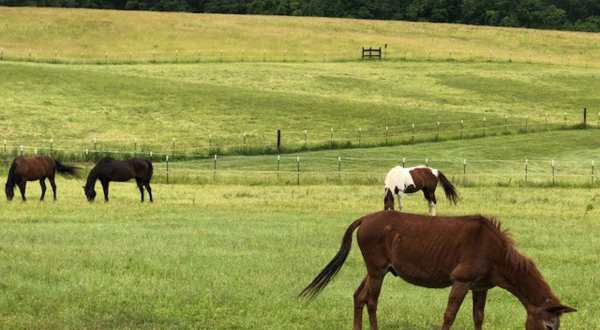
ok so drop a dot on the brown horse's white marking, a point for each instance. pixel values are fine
(408, 180)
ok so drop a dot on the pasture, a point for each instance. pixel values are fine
(222, 257)
(231, 248)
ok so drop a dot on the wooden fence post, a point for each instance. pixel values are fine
(339, 168)
(298, 170)
(215, 168)
(331, 137)
(21, 150)
(278, 161)
(5, 147)
(403, 162)
(526, 123)
(167, 159)
(505, 124)
(553, 172)
(413, 133)
(584, 117)
(305, 139)
(464, 171)
(360, 132)
(526, 165)
(462, 128)
(386, 135)
(279, 140)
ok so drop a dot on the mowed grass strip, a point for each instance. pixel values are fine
(225, 257)
(105, 35)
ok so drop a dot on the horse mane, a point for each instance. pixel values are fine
(513, 257)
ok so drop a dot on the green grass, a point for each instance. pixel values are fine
(211, 106)
(94, 35)
(498, 160)
(221, 257)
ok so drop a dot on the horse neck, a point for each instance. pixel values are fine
(92, 177)
(527, 284)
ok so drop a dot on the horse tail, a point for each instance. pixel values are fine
(12, 174)
(333, 267)
(449, 188)
(65, 169)
(150, 169)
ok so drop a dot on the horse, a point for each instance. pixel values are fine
(466, 253)
(35, 168)
(108, 169)
(408, 180)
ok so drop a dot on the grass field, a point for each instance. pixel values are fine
(235, 257)
(231, 248)
(76, 34)
(215, 104)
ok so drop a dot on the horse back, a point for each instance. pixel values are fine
(425, 250)
(34, 168)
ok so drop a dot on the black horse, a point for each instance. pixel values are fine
(108, 169)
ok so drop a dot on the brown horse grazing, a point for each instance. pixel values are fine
(108, 169)
(35, 168)
(401, 180)
(469, 253)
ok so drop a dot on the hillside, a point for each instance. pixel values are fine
(104, 35)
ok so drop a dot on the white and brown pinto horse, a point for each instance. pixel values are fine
(408, 180)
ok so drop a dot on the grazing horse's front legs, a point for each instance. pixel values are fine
(105, 189)
(22, 186)
(479, 298)
(457, 295)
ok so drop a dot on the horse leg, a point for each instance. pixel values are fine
(479, 298)
(43, 186)
(22, 186)
(105, 189)
(359, 304)
(53, 185)
(400, 201)
(147, 185)
(431, 201)
(367, 294)
(373, 290)
(140, 187)
(457, 295)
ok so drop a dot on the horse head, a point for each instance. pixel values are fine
(547, 317)
(90, 193)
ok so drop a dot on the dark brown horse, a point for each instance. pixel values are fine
(469, 253)
(36, 168)
(400, 180)
(108, 169)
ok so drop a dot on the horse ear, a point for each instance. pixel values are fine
(560, 309)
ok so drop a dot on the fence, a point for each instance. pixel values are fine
(299, 170)
(287, 141)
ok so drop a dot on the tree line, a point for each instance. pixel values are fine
(579, 15)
